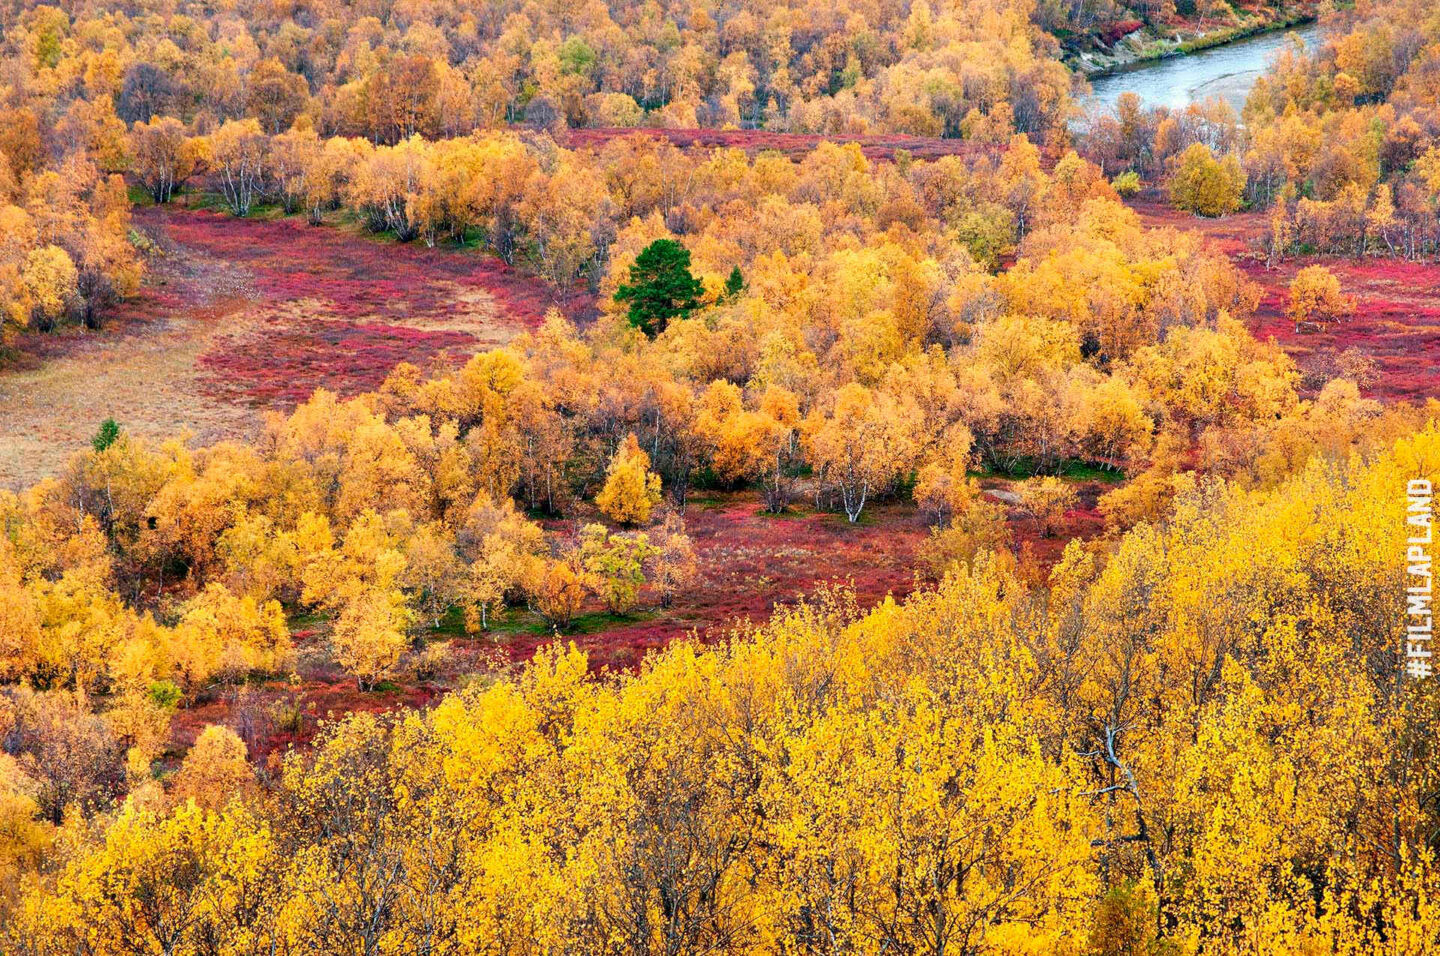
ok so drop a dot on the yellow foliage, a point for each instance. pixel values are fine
(370, 634)
(49, 277)
(221, 635)
(1198, 719)
(1047, 499)
(1205, 185)
(215, 771)
(631, 490)
(559, 593)
(1316, 299)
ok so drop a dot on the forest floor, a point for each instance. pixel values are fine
(793, 145)
(239, 317)
(1397, 306)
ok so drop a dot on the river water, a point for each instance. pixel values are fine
(1227, 71)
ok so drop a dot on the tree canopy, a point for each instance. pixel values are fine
(660, 287)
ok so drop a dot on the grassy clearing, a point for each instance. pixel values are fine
(238, 316)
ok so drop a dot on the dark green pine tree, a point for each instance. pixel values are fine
(107, 435)
(661, 287)
(734, 285)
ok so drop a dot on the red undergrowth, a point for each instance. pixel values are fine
(793, 145)
(338, 310)
(1397, 306)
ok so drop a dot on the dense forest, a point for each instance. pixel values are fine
(1189, 731)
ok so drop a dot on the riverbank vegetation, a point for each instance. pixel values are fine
(1156, 31)
(1338, 144)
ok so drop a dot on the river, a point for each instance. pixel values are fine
(1227, 71)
